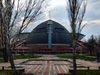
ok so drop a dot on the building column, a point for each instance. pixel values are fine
(49, 34)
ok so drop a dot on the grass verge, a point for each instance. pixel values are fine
(5, 72)
(25, 57)
(77, 57)
(21, 57)
(1, 59)
(86, 72)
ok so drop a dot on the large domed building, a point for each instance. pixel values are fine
(48, 37)
(59, 35)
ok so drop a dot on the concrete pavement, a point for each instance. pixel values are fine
(50, 67)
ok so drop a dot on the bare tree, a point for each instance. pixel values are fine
(91, 45)
(10, 13)
(97, 48)
(2, 39)
(76, 11)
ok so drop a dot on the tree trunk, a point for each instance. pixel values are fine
(98, 57)
(5, 55)
(90, 52)
(12, 62)
(74, 58)
(11, 57)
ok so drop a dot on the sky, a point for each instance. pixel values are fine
(57, 11)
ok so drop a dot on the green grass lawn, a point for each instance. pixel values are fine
(21, 57)
(78, 66)
(26, 57)
(5, 72)
(83, 57)
(1, 59)
(86, 72)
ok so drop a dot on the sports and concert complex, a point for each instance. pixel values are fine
(48, 37)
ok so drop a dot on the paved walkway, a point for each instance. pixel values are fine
(47, 67)
(50, 67)
(91, 64)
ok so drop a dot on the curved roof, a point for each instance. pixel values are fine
(39, 35)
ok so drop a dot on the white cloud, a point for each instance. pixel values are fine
(57, 11)
(57, 3)
(95, 21)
